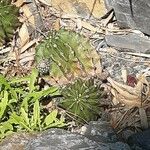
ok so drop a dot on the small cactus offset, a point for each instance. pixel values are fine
(68, 56)
(8, 20)
(82, 98)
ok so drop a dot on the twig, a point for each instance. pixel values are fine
(128, 59)
(138, 54)
(94, 3)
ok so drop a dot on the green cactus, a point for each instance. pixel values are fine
(70, 60)
(82, 98)
(8, 20)
(68, 56)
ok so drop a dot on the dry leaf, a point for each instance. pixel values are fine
(26, 46)
(123, 95)
(128, 102)
(28, 15)
(24, 35)
(126, 91)
(46, 2)
(143, 118)
(143, 85)
(90, 27)
(130, 96)
(56, 25)
(96, 7)
(18, 3)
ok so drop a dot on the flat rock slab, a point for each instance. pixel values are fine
(130, 42)
(59, 139)
(132, 13)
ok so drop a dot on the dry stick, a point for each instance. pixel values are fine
(132, 114)
(128, 59)
(94, 3)
(68, 114)
(120, 119)
(138, 54)
(107, 14)
(17, 51)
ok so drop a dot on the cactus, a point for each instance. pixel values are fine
(81, 98)
(68, 56)
(71, 62)
(8, 20)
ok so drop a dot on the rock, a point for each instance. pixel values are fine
(130, 42)
(133, 14)
(59, 139)
(101, 131)
(140, 141)
(16, 141)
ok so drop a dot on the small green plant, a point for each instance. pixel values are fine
(8, 21)
(20, 107)
(82, 99)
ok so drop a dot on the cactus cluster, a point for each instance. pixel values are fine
(82, 98)
(8, 20)
(72, 63)
(70, 56)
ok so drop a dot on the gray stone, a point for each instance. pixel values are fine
(118, 146)
(101, 131)
(58, 139)
(132, 13)
(140, 141)
(130, 42)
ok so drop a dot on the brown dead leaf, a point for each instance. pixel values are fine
(118, 98)
(126, 91)
(18, 3)
(28, 15)
(143, 85)
(122, 94)
(129, 102)
(56, 25)
(84, 8)
(130, 96)
(29, 44)
(24, 35)
(96, 7)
